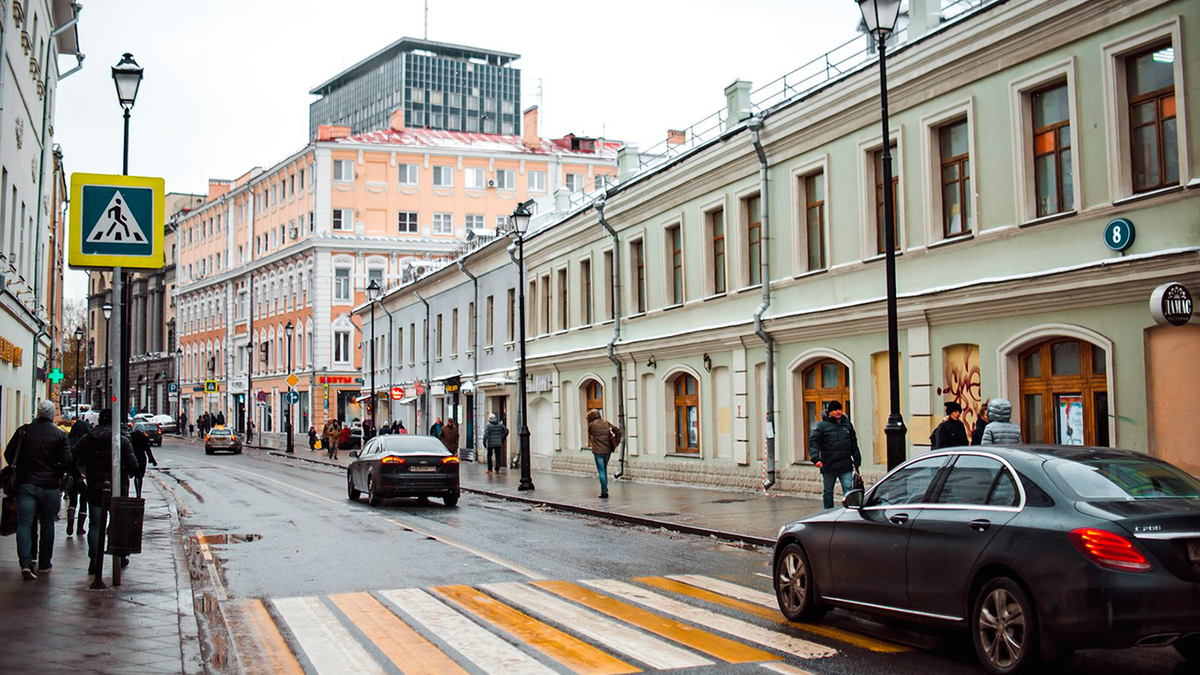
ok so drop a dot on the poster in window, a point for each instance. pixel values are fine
(1070, 420)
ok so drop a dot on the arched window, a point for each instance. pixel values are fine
(687, 415)
(593, 395)
(824, 381)
(1064, 393)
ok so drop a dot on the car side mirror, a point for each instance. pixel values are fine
(353, 454)
(853, 500)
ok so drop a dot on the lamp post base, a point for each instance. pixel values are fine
(526, 483)
(895, 432)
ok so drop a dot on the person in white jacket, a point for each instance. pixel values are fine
(999, 430)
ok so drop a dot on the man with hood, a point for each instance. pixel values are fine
(833, 447)
(951, 433)
(40, 456)
(494, 436)
(1000, 431)
(94, 455)
(604, 439)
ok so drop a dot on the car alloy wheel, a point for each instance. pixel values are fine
(351, 492)
(794, 587)
(1004, 627)
(372, 498)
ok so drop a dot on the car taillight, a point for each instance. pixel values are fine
(160, 428)
(392, 460)
(1109, 550)
(232, 438)
(206, 437)
(450, 460)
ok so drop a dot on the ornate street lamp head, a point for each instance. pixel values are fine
(79, 333)
(289, 329)
(880, 16)
(127, 75)
(107, 309)
(520, 218)
(373, 290)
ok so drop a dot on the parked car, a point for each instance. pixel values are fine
(166, 424)
(150, 429)
(222, 438)
(403, 466)
(1034, 550)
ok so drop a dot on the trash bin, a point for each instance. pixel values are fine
(125, 516)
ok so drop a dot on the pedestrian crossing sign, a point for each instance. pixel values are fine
(116, 221)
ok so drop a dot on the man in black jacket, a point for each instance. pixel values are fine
(94, 454)
(833, 447)
(40, 456)
(951, 433)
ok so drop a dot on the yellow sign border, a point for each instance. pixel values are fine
(75, 255)
(216, 387)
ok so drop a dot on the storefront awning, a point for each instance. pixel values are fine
(498, 381)
(409, 400)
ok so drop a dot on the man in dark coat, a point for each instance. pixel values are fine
(94, 454)
(76, 512)
(604, 439)
(435, 429)
(494, 436)
(833, 447)
(41, 456)
(450, 436)
(141, 450)
(951, 433)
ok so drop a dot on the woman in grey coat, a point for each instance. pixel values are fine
(999, 430)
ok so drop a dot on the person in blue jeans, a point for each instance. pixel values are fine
(604, 439)
(41, 456)
(94, 455)
(833, 447)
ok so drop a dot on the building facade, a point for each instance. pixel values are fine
(1019, 132)
(438, 86)
(299, 245)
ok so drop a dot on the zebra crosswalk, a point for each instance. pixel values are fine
(540, 627)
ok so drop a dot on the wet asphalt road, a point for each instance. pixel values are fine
(302, 537)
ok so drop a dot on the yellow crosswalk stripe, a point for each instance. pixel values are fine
(700, 640)
(405, 647)
(732, 603)
(566, 649)
(268, 652)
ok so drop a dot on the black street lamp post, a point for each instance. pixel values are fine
(106, 403)
(78, 366)
(179, 388)
(880, 17)
(290, 330)
(373, 295)
(520, 221)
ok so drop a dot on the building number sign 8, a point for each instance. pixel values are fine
(1119, 234)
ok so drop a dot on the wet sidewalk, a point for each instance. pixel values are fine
(55, 624)
(751, 517)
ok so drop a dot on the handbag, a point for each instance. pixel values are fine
(856, 483)
(8, 517)
(8, 475)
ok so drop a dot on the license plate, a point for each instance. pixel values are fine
(1194, 550)
(422, 468)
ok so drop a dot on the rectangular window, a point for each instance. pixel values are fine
(474, 178)
(454, 332)
(1153, 139)
(301, 180)
(637, 251)
(585, 280)
(574, 182)
(471, 325)
(879, 222)
(443, 176)
(343, 219)
(341, 347)
(437, 336)
(608, 285)
(343, 170)
(408, 222)
(412, 344)
(675, 248)
(506, 179)
(400, 345)
(814, 220)
(341, 284)
(512, 315)
(716, 226)
(474, 221)
(375, 274)
(547, 303)
(408, 174)
(490, 325)
(1052, 171)
(753, 214)
(564, 321)
(443, 223)
(536, 181)
(955, 178)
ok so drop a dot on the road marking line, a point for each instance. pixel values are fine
(329, 646)
(701, 640)
(442, 538)
(568, 650)
(492, 654)
(655, 653)
(785, 669)
(702, 587)
(269, 652)
(406, 648)
(736, 627)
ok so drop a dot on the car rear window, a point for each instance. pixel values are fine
(220, 432)
(412, 445)
(1121, 478)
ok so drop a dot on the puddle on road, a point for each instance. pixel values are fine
(218, 539)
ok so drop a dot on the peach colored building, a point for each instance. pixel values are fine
(300, 242)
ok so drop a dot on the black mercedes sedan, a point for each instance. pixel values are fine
(1035, 551)
(403, 466)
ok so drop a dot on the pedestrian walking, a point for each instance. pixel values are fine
(76, 511)
(951, 433)
(398, 428)
(999, 430)
(833, 448)
(141, 450)
(344, 439)
(332, 437)
(604, 439)
(94, 454)
(981, 421)
(312, 439)
(436, 429)
(495, 435)
(183, 424)
(221, 418)
(40, 456)
(449, 436)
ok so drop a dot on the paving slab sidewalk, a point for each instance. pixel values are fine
(55, 624)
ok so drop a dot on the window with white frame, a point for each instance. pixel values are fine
(343, 170)
(443, 176)
(501, 222)
(341, 284)
(474, 221)
(443, 223)
(343, 219)
(473, 176)
(574, 182)
(506, 179)
(341, 347)
(408, 174)
(408, 222)
(536, 181)
(375, 274)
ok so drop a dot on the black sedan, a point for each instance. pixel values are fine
(403, 466)
(152, 430)
(1035, 551)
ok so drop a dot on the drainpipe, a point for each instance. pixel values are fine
(756, 124)
(474, 360)
(425, 396)
(612, 356)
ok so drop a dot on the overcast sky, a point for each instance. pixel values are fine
(226, 82)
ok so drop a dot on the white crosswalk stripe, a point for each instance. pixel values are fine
(635, 644)
(490, 653)
(719, 622)
(725, 588)
(328, 645)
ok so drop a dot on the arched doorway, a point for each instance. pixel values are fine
(687, 414)
(824, 381)
(1064, 393)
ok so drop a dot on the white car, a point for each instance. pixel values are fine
(166, 423)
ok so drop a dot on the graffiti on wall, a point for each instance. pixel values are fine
(962, 381)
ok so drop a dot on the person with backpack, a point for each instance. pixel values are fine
(604, 439)
(40, 457)
(951, 433)
(94, 454)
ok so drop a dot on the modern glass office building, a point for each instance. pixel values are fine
(439, 86)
